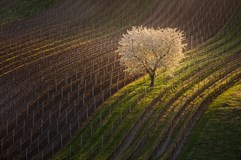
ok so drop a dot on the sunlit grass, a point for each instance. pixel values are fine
(217, 134)
(127, 122)
(219, 48)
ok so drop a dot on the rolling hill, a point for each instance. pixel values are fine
(64, 94)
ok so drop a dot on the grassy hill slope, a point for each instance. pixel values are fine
(143, 123)
(218, 133)
(58, 67)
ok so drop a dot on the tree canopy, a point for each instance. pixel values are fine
(145, 50)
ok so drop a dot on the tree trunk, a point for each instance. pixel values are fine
(152, 78)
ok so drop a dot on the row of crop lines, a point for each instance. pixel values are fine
(155, 2)
(179, 12)
(87, 61)
(133, 92)
(213, 13)
(187, 126)
(209, 95)
(96, 17)
(105, 111)
(88, 69)
(65, 136)
(230, 32)
(184, 97)
(199, 33)
(69, 47)
(177, 21)
(144, 143)
(52, 29)
(59, 64)
(83, 115)
(176, 17)
(101, 20)
(237, 57)
(205, 23)
(224, 45)
(177, 95)
(85, 6)
(206, 28)
(164, 143)
(61, 107)
(224, 41)
(38, 49)
(182, 80)
(68, 25)
(181, 113)
(87, 113)
(14, 54)
(81, 6)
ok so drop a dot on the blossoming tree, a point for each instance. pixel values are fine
(145, 50)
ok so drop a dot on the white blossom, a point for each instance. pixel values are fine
(145, 50)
